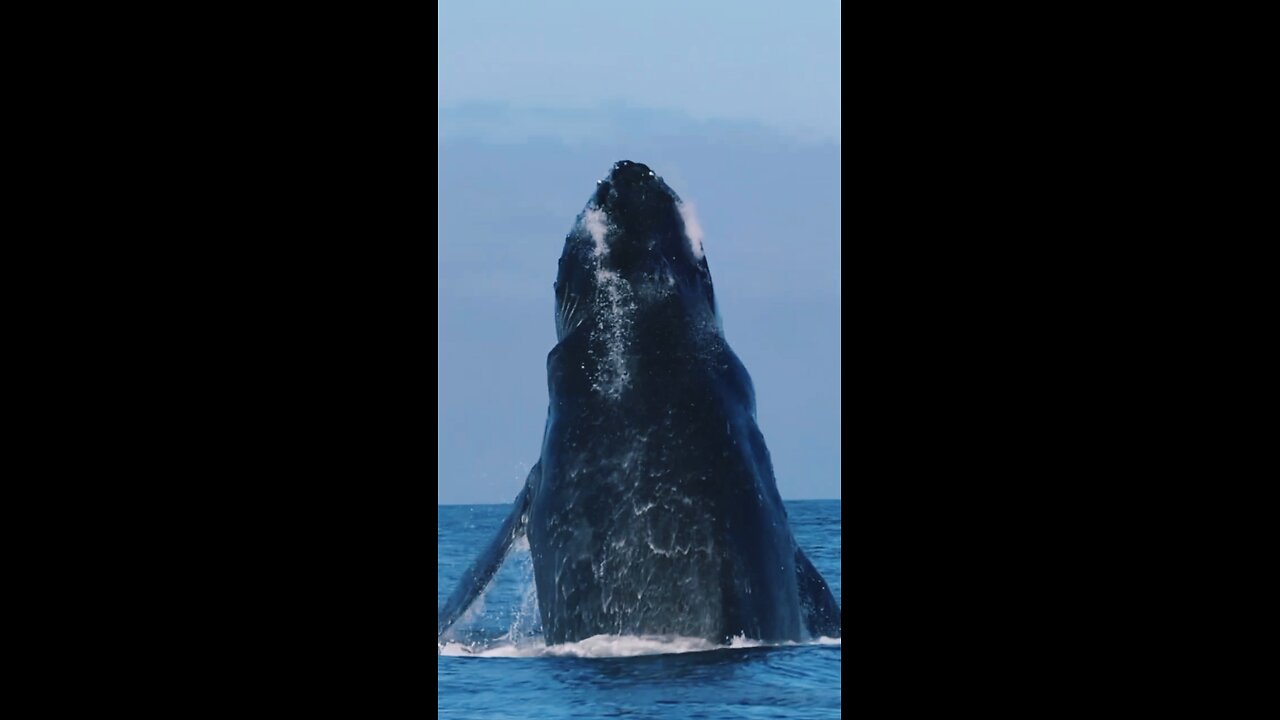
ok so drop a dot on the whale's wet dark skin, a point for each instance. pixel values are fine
(653, 509)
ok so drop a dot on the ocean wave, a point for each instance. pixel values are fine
(609, 646)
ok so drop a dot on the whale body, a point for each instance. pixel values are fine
(653, 508)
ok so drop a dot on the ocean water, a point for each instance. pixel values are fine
(499, 667)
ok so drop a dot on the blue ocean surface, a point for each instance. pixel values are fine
(497, 665)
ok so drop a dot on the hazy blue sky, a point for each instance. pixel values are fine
(771, 62)
(736, 105)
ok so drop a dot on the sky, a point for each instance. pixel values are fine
(736, 105)
(771, 62)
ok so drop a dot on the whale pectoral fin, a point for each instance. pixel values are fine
(817, 604)
(477, 577)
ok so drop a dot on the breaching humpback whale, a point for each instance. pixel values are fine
(653, 509)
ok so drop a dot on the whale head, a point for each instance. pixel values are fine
(635, 243)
